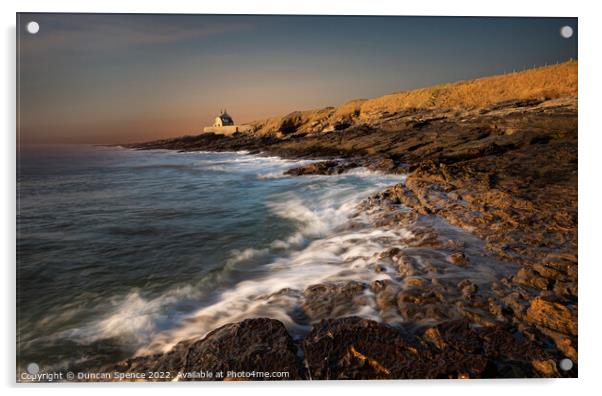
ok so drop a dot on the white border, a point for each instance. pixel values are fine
(590, 125)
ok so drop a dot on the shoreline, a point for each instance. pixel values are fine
(485, 281)
(504, 190)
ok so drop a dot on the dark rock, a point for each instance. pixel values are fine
(327, 300)
(354, 348)
(458, 258)
(528, 277)
(261, 345)
(322, 168)
(468, 288)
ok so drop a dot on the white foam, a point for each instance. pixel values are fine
(324, 248)
(133, 317)
(340, 254)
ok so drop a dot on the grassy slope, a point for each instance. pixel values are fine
(548, 82)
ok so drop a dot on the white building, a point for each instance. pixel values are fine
(223, 119)
(224, 125)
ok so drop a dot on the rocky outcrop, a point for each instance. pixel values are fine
(353, 348)
(254, 345)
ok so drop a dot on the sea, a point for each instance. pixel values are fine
(123, 252)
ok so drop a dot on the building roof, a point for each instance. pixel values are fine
(225, 117)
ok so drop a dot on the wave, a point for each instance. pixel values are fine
(331, 241)
(334, 242)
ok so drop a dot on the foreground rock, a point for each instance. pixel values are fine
(355, 348)
(260, 345)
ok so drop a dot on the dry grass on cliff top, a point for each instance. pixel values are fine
(548, 82)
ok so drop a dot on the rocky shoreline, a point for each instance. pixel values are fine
(505, 173)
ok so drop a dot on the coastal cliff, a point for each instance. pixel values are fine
(494, 157)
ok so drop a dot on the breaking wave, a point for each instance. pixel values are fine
(269, 237)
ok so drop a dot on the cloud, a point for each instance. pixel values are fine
(89, 32)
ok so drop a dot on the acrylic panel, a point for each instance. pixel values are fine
(281, 197)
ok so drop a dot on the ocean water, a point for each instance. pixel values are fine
(124, 252)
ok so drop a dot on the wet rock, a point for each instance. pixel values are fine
(415, 281)
(322, 168)
(468, 288)
(565, 344)
(406, 265)
(458, 258)
(475, 315)
(420, 303)
(566, 289)
(545, 367)
(552, 315)
(528, 277)
(378, 268)
(433, 336)
(378, 285)
(261, 345)
(517, 302)
(508, 352)
(386, 165)
(424, 237)
(386, 301)
(327, 300)
(392, 253)
(354, 348)
(498, 310)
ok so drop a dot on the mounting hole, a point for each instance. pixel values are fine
(566, 364)
(33, 368)
(33, 27)
(566, 32)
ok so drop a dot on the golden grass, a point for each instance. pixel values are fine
(547, 82)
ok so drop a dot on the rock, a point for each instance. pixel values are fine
(386, 165)
(391, 253)
(458, 258)
(424, 237)
(508, 353)
(322, 168)
(552, 315)
(528, 277)
(545, 367)
(565, 344)
(475, 315)
(517, 303)
(378, 268)
(354, 348)
(434, 336)
(406, 265)
(261, 345)
(468, 288)
(327, 300)
(378, 285)
(416, 282)
(423, 302)
(386, 302)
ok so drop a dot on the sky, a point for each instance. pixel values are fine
(120, 78)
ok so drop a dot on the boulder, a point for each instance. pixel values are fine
(552, 315)
(254, 345)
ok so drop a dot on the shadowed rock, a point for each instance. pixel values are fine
(261, 345)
